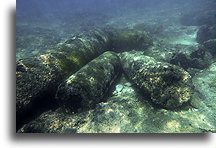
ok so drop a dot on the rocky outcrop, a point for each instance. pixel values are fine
(167, 85)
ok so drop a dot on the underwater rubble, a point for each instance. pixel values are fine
(83, 106)
(126, 111)
(113, 80)
(168, 85)
(38, 77)
(90, 85)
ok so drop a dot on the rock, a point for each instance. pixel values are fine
(129, 112)
(210, 46)
(199, 59)
(118, 89)
(168, 86)
(164, 51)
(90, 85)
(128, 39)
(37, 77)
(51, 122)
(205, 33)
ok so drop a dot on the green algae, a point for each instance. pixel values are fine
(128, 39)
(167, 85)
(90, 84)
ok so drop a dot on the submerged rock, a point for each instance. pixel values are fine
(52, 122)
(38, 77)
(128, 112)
(168, 85)
(199, 59)
(210, 46)
(205, 33)
(128, 39)
(90, 84)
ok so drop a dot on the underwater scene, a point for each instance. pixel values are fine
(115, 66)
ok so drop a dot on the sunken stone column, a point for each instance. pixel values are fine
(167, 85)
(90, 85)
(38, 77)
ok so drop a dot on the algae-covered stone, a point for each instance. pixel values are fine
(51, 122)
(90, 84)
(37, 77)
(126, 112)
(199, 59)
(129, 39)
(35, 81)
(168, 85)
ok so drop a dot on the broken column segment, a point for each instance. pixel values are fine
(38, 77)
(130, 39)
(90, 85)
(167, 85)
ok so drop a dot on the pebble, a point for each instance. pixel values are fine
(119, 88)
